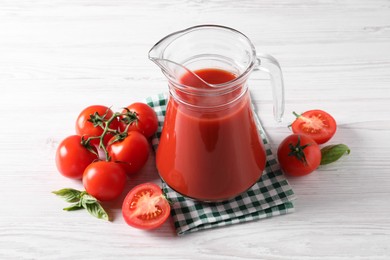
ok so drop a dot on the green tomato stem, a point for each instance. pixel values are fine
(296, 115)
(131, 117)
(106, 130)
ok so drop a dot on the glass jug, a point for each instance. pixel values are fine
(210, 148)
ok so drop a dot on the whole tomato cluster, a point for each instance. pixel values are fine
(120, 138)
(106, 148)
(299, 153)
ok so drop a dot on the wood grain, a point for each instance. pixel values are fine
(56, 57)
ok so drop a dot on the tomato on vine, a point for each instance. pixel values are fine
(72, 157)
(91, 123)
(131, 152)
(146, 119)
(104, 180)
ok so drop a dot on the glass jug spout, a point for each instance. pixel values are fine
(173, 71)
(170, 63)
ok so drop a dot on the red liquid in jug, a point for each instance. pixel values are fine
(210, 155)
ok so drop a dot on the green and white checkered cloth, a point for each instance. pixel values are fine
(270, 196)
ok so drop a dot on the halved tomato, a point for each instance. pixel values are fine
(145, 207)
(317, 124)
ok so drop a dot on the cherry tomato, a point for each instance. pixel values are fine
(147, 122)
(72, 157)
(104, 180)
(86, 128)
(145, 207)
(299, 155)
(132, 152)
(318, 124)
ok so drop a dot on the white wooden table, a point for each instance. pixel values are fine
(57, 57)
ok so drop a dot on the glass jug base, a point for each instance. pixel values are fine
(201, 200)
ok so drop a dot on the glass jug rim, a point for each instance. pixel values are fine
(213, 87)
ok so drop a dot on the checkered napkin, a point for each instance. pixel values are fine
(270, 196)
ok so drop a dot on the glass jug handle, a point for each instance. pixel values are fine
(269, 64)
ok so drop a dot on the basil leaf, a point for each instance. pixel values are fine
(68, 194)
(87, 199)
(332, 153)
(96, 210)
(73, 207)
(80, 200)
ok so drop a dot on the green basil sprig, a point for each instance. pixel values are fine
(332, 153)
(82, 200)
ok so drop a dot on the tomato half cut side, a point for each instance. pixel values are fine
(145, 207)
(317, 124)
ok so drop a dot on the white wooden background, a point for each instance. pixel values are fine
(57, 57)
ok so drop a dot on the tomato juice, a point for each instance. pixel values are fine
(212, 153)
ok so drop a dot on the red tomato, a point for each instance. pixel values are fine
(318, 124)
(147, 122)
(86, 128)
(72, 158)
(132, 152)
(299, 155)
(104, 180)
(145, 207)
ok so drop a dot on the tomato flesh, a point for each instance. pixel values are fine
(317, 124)
(145, 207)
